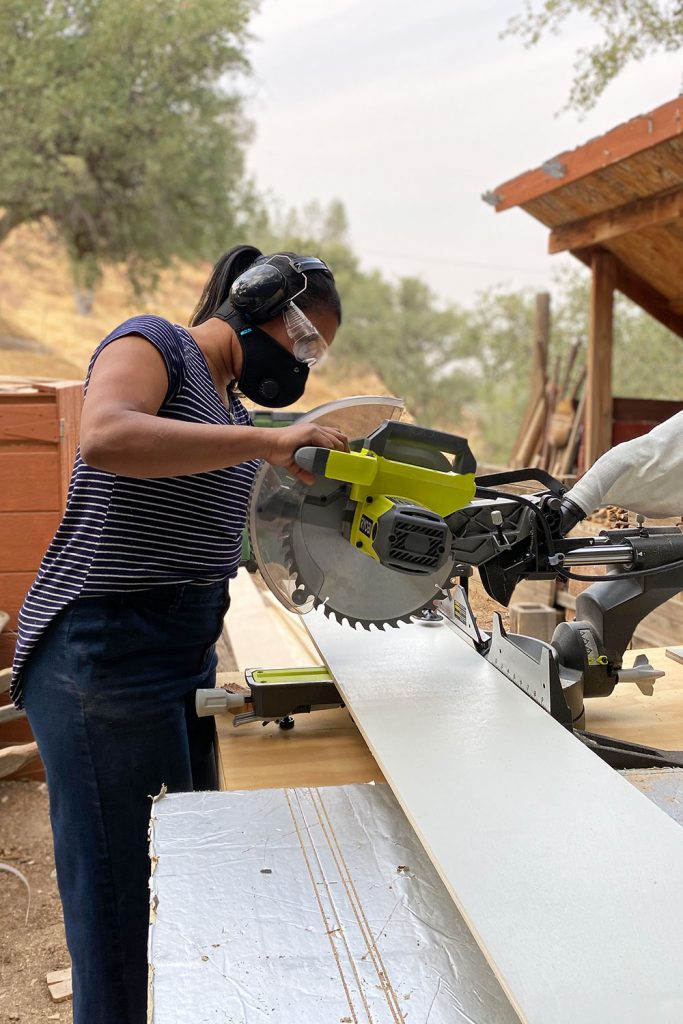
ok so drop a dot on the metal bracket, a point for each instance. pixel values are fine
(457, 612)
(532, 666)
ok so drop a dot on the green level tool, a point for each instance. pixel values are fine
(275, 695)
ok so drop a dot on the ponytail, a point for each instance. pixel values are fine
(229, 267)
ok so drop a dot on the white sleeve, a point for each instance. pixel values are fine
(644, 475)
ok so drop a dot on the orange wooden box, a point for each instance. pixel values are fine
(39, 424)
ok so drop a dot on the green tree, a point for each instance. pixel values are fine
(400, 330)
(630, 31)
(466, 370)
(122, 127)
(496, 334)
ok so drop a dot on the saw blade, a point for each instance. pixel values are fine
(297, 533)
(347, 583)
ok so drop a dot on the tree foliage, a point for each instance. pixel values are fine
(399, 329)
(466, 369)
(122, 127)
(631, 30)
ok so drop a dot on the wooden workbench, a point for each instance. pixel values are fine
(323, 749)
(627, 714)
(326, 749)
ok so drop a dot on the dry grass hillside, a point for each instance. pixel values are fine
(42, 334)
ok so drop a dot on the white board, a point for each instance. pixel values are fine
(569, 878)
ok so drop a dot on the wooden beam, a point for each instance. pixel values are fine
(648, 298)
(639, 291)
(599, 358)
(636, 135)
(652, 211)
(541, 341)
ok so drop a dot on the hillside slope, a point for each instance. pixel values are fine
(42, 334)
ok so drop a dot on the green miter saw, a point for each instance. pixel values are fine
(376, 509)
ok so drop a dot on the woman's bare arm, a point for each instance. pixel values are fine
(121, 433)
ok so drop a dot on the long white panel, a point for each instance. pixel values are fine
(569, 878)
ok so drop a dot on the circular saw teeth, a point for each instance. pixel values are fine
(328, 610)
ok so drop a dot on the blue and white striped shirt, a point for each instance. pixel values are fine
(124, 534)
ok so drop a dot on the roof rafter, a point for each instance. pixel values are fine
(639, 291)
(636, 215)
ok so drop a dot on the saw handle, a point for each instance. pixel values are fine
(422, 438)
(313, 460)
(403, 442)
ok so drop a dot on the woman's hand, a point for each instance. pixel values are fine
(287, 440)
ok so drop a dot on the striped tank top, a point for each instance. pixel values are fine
(122, 534)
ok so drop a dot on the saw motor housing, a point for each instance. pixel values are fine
(400, 488)
(400, 534)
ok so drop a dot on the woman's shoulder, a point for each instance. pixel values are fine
(161, 333)
(148, 325)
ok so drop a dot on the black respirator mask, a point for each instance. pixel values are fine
(271, 375)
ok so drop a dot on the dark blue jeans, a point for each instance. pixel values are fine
(109, 695)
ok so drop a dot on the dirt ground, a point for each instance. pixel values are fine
(29, 951)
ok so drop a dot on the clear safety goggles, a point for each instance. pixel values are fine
(309, 345)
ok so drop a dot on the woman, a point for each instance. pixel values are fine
(118, 630)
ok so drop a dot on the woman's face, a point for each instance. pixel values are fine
(325, 322)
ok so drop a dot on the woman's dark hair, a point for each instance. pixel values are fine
(321, 292)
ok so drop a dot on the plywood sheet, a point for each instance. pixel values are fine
(261, 633)
(570, 879)
(323, 749)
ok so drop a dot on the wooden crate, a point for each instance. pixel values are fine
(39, 426)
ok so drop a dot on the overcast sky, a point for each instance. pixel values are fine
(409, 111)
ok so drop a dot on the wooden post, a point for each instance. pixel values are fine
(541, 340)
(599, 358)
(528, 436)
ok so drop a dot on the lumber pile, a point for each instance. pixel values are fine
(551, 431)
